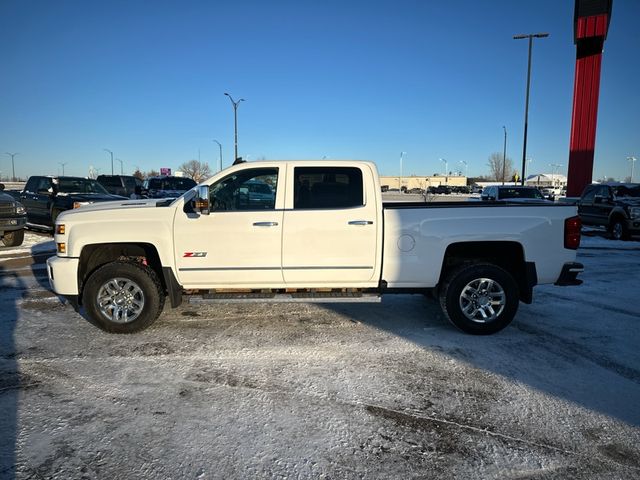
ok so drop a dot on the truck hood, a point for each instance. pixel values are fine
(628, 201)
(92, 197)
(124, 204)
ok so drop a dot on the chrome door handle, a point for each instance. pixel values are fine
(360, 222)
(265, 224)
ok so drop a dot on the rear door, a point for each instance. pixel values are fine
(330, 226)
(37, 198)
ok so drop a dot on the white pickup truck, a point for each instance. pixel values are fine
(308, 231)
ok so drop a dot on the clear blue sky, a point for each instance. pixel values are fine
(345, 80)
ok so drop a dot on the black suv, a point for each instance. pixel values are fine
(167, 186)
(612, 205)
(125, 185)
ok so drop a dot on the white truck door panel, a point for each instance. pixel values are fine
(330, 230)
(240, 243)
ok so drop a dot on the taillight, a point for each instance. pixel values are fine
(572, 228)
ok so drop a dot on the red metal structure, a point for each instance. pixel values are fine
(591, 23)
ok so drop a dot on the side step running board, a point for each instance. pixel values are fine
(302, 297)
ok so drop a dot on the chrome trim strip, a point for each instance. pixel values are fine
(226, 269)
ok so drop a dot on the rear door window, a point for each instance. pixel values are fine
(327, 187)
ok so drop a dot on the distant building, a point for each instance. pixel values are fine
(546, 180)
(415, 181)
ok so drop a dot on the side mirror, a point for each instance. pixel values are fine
(201, 201)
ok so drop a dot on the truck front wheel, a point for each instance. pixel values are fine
(13, 239)
(480, 299)
(123, 297)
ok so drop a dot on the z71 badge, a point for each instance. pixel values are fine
(195, 254)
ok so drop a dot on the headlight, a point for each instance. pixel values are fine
(634, 213)
(80, 204)
(20, 210)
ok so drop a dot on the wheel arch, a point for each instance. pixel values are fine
(93, 256)
(507, 255)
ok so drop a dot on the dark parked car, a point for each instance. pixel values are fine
(513, 193)
(45, 198)
(615, 206)
(13, 218)
(125, 185)
(167, 186)
(442, 189)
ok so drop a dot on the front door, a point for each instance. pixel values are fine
(239, 243)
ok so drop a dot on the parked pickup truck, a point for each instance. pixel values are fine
(45, 197)
(323, 236)
(615, 206)
(12, 220)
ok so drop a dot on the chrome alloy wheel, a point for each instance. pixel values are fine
(482, 300)
(617, 231)
(120, 300)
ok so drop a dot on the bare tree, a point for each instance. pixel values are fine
(196, 170)
(500, 169)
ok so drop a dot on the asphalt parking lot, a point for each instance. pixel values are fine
(309, 391)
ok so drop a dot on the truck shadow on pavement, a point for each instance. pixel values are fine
(526, 352)
(11, 380)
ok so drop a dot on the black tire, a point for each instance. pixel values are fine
(618, 229)
(471, 290)
(14, 238)
(123, 288)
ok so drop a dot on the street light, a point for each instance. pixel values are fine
(111, 153)
(633, 161)
(220, 146)
(554, 168)
(446, 169)
(235, 121)
(121, 163)
(530, 36)
(62, 164)
(402, 154)
(13, 168)
(466, 168)
(504, 153)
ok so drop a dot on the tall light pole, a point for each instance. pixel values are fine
(554, 168)
(402, 154)
(504, 153)
(13, 168)
(111, 153)
(530, 36)
(235, 121)
(446, 169)
(121, 163)
(633, 161)
(466, 168)
(219, 146)
(62, 164)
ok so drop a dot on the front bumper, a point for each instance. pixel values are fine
(9, 224)
(63, 275)
(569, 274)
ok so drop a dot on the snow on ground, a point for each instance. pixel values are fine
(309, 391)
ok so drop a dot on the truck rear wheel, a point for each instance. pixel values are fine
(479, 299)
(13, 239)
(618, 229)
(123, 297)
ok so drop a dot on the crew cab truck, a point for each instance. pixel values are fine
(45, 197)
(615, 206)
(321, 235)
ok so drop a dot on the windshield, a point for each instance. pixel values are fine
(627, 191)
(520, 193)
(173, 183)
(79, 185)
